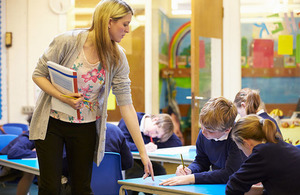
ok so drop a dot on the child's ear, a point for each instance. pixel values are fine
(247, 143)
(228, 130)
(154, 119)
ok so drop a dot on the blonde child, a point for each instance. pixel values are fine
(270, 160)
(248, 101)
(158, 132)
(214, 145)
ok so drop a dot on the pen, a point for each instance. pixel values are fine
(151, 139)
(74, 98)
(182, 161)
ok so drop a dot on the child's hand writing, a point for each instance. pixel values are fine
(183, 171)
(151, 147)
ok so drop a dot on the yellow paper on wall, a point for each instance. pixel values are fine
(111, 103)
(285, 44)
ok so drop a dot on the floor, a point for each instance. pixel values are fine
(11, 189)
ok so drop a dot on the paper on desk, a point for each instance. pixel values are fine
(65, 80)
(173, 150)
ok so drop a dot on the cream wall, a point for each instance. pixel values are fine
(232, 77)
(33, 26)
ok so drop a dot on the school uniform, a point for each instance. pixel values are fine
(116, 142)
(138, 168)
(223, 157)
(265, 115)
(173, 141)
(20, 147)
(276, 165)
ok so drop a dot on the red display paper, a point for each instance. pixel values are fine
(263, 53)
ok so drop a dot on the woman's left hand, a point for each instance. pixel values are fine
(148, 169)
(179, 180)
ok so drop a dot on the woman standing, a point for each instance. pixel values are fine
(101, 65)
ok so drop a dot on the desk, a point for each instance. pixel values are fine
(291, 134)
(171, 155)
(153, 187)
(29, 165)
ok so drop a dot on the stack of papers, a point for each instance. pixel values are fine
(65, 80)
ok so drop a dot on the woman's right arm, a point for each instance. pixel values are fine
(48, 88)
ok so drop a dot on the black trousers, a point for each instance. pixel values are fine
(79, 141)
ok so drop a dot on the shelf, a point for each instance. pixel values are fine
(271, 72)
(175, 72)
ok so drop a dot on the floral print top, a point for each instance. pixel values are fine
(90, 78)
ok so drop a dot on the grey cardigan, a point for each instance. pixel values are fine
(63, 50)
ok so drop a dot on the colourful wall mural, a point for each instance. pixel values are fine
(174, 44)
(174, 52)
(264, 45)
(269, 45)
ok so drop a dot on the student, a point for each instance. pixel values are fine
(159, 128)
(214, 146)
(248, 101)
(21, 147)
(270, 160)
(101, 65)
(2, 130)
(116, 142)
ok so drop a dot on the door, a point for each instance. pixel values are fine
(206, 29)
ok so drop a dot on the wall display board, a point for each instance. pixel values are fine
(270, 59)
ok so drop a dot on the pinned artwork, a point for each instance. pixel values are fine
(201, 54)
(298, 48)
(285, 45)
(263, 53)
(111, 102)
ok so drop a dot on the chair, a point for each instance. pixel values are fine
(23, 126)
(105, 177)
(5, 139)
(13, 130)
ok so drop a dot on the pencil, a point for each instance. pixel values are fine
(182, 161)
(74, 98)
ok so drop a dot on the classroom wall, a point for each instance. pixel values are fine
(33, 25)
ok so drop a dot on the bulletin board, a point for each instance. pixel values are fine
(270, 57)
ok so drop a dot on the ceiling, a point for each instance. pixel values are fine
(250, 9)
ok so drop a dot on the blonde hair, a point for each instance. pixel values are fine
(218, 114)
(251, 98)
(256, 128)
(164, 121)
(108, 51)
